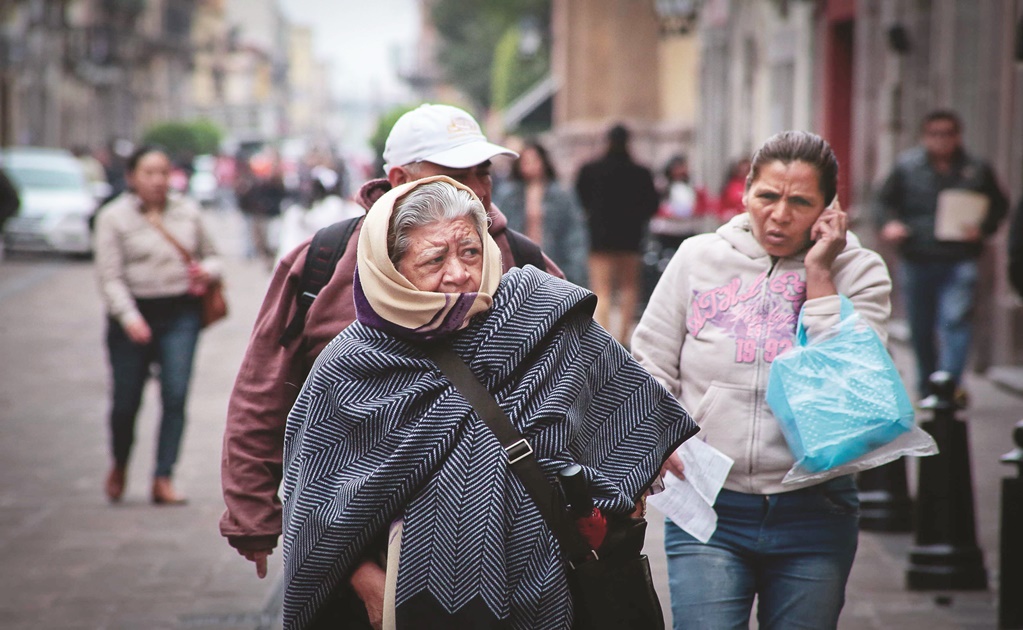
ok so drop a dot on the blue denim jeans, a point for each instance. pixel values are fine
(792, 550)
(175, 323)
(939, 298)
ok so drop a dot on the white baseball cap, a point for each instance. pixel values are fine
(441, 134)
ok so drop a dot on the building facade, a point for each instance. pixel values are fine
(613, 61)
(862, 73)
(911, 57)
(87, 72)
(82, 72)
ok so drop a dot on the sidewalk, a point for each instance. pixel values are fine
(877, 596)
(70, 560)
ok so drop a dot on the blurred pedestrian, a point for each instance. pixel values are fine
(538, 206)
(429, 140)
(92, 167)
(299, 223)
(732, 191)
(726, 306)
(685, 210)
(10, 202)
(619, 198)
(428, 272)
(1016, 249)
(153, 303)
(225, 168)
(113, 157)
(260, 191)
(939, 269)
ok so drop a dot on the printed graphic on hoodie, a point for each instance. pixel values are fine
(760, 318)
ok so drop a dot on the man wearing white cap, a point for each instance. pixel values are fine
(429, 140)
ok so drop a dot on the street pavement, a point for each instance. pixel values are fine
(69, 560)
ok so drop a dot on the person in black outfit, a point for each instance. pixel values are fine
(9, 199)
(9, 204)
(619, 198)
(1016, 249)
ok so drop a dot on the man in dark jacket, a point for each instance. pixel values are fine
(619, 198)
(939, 266)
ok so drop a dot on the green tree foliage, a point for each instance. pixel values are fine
(513, 72)
(470, 31)
(185, 138)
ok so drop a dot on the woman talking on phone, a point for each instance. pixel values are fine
(726, 306)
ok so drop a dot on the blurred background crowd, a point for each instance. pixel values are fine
(269, 108)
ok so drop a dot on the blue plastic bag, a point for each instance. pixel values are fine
(838, 397)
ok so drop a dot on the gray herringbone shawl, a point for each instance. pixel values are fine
(378, 432)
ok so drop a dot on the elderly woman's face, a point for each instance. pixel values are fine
(445, 256)
(784, 201)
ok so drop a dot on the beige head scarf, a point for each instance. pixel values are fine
(385, 299)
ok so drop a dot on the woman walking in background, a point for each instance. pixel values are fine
(152, 297)
(539, 207)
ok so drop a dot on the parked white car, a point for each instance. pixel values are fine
(57, 202)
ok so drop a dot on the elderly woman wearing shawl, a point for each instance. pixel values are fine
(381, 441)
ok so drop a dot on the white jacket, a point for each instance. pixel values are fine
(721, 312)
(135, 260)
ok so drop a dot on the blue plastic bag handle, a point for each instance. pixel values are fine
(845, 313)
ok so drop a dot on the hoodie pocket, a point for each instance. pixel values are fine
(724, 418)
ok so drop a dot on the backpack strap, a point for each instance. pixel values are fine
(524, 251)
(327, 248)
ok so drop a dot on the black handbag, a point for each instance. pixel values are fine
(611, 587)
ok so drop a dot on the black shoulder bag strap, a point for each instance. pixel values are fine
(524, 251)
(520, 453)
(327, 247)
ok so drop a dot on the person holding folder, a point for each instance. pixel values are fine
(938, 205)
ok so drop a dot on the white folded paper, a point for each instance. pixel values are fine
(689, 502)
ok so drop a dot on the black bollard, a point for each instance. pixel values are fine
(1010, 584)
(885, 505)
(945, 555)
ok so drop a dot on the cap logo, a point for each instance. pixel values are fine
(462, 125)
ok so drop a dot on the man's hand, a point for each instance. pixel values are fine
(368, 582)
(972, 234)
(894, 232)
(259, 557)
